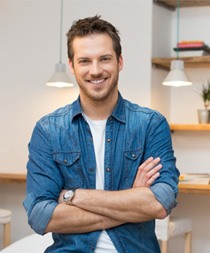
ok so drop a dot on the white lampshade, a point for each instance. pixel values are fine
(177, 77)
(59, 78)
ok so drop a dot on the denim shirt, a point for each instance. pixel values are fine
(61, 156)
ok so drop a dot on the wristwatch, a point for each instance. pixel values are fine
(68, 196)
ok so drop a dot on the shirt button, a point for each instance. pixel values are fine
(91, 248)
(66, 161)
(108, 169)
(133, 155)
(91, 170)
(108, 140)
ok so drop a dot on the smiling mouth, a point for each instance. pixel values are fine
(97, 81)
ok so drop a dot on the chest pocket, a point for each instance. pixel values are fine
(132, 160)
(70, 165)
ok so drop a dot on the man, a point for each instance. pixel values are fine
(92, 179)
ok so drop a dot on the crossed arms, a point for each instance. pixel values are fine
(97, 210)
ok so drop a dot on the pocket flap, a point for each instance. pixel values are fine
(132, 154)
(66, 158)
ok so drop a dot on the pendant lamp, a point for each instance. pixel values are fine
(177, 77)
(60, 79)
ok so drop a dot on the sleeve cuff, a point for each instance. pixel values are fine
(40, 215)
(165, 195)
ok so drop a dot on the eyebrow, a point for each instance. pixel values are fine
(106, 55)
(82, 58)
(85, 57)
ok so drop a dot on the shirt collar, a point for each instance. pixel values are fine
(76, 108)
(118, 113)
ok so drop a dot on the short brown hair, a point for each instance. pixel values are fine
(93, 25)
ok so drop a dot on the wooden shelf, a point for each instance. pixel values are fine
(194, 188)
(190, 127)
(171, 4)
(12, 177)
(196, 61)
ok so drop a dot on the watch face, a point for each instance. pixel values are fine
(68, 196)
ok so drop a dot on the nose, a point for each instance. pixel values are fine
(95, 69)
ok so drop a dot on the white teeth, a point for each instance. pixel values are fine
(97, 81)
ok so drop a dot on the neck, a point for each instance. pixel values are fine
(99, 110)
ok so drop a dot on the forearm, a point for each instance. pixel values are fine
(133, 205)
(96, 210)
(71, 219)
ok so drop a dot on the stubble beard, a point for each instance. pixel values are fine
(100, 95)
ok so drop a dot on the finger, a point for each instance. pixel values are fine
(153, 163)
(146, 162)
(144, 167)
(148, 177)
(154, 170)
(152, 179)
(149, 164)
(147, 169)
(152, 174)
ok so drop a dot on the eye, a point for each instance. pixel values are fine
(105, 58)
(84, 61)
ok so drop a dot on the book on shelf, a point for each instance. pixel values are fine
(192, 53)
(195, 178)
(191, 44)
(192, 48)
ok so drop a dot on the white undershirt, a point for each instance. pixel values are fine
(98, 129)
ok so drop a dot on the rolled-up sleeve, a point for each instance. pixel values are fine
(165, 195)
(159, 144)
(44, 181)
(40, 215)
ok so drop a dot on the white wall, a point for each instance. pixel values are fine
(191, 148)
(29, 49)
(161, 41)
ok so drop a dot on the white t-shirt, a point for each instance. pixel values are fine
(98, 130)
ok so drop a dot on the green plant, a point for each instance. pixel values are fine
(205, 93)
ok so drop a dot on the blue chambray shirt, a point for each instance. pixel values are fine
(61, 156)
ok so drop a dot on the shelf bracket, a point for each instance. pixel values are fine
(159, 66)
(163, 4)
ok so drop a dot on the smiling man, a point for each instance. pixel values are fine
(96, 69)
(101, 169)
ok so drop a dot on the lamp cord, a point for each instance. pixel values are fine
(61, 34)
(178, 14)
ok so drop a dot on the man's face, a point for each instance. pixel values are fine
(95, 67)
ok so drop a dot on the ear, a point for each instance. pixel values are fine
(71, 66)
(120, 63)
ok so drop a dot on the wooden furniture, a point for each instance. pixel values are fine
(171, 227)
(194, 188)
(194, 61)
(190, 127)
(171, 4)
(15, 177)
(5, 218)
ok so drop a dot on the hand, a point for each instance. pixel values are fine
(147, 172)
